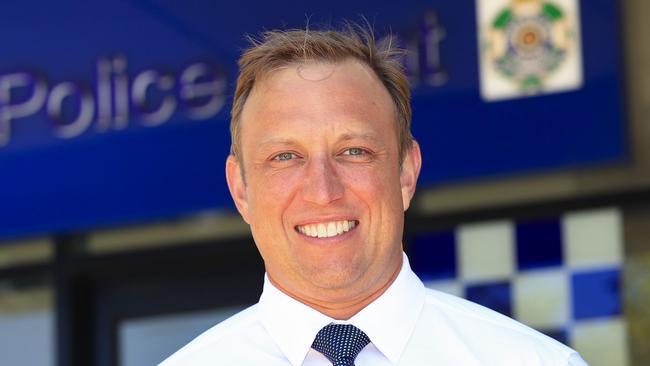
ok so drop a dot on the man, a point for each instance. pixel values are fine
(323, 166)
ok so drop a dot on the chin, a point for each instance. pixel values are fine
(334, 277)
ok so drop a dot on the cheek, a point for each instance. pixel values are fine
(271, 192)
(377, 185)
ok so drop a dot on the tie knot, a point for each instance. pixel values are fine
(340, 343)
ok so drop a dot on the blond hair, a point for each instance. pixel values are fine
(276, 49)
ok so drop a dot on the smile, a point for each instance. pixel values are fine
(327, 229)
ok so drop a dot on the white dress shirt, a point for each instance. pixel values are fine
(408, 325)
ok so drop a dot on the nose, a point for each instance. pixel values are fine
(322, 184)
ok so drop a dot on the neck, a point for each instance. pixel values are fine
(341, 309)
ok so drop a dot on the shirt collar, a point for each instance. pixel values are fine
(291, 324)
(388, 321)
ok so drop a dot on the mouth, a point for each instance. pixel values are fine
(327, 229)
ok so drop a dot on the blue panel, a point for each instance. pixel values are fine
(496, 296)
(539, 243)
(596, 294)
(139, 167)
(433, 256)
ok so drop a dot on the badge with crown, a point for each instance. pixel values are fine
(528, 47)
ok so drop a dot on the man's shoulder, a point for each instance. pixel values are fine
(221, 338)
(465, 310)
(485, 330)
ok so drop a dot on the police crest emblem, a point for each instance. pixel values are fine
(528, 47)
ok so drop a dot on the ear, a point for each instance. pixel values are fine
(237, 186)
(410, 172)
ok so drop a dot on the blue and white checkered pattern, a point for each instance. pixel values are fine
(560, 275)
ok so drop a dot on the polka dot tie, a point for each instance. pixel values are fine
(340, 343)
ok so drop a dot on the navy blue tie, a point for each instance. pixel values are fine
(340, 343)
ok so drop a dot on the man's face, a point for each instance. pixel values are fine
(323, 190)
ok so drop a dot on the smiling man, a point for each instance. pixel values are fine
(323, 166)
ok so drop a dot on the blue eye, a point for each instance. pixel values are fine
(354, 151)
(284, 156)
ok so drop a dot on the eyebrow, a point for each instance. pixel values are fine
(277, 141)
(360, 136)
(342, 138)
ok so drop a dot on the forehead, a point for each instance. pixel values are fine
(318, 94)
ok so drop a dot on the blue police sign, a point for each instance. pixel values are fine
(114, 113)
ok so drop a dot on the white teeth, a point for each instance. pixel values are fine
(327, 229)
(322, 231)
(331, 229)
(314, 231)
